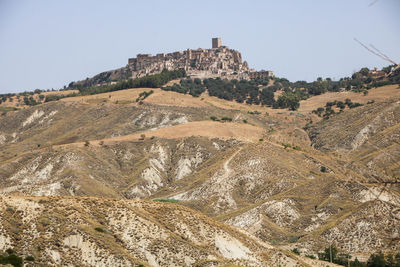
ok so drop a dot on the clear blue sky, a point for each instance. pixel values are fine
(47, 44)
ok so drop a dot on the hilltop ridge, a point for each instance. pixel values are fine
(219, 61)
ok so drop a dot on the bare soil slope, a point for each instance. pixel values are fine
(64, 231)
(261, 172)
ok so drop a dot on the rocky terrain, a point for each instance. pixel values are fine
(65, 231)
(268, 184)
(369, 136)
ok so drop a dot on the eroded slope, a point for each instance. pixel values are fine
(105, 232)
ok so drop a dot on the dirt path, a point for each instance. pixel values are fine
(227, 170)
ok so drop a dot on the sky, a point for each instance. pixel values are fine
(47, 44)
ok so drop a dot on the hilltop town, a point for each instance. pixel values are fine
(219, 61)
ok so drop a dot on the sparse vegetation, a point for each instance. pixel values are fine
(144, 95)
(296, 251)
(329, 111)
(10, 258)
(213, 118)
(331, 254)
(50, 98)
(149, 81)
(4, 110)
(30, 258)
(226, 119)
(285, 146)
(99, 229)
(169, 200)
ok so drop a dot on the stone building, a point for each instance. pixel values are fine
(376, 74)
(262, 74)
(216, 42)
(220, 61)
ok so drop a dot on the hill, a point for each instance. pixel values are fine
(56, 231)
(289, 178)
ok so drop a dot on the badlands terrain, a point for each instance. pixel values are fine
(102, 180)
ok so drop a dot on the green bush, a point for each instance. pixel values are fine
(99, 229)
(296, 251)
(11, 258)
(213, 118)
(144, 95)
(226, 119)
(30, 258)
(58, 97)
(149, 81)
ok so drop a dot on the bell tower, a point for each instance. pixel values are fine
(216, 42)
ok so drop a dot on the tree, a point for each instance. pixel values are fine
(317, 88)
(267, 97)
(376, 260)
(288, 100)
(329, 254)
(364, 71)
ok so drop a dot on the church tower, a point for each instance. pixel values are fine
(216, 42)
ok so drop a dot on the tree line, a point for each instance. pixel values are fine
(149, 81)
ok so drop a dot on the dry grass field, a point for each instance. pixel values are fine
(377, 94)
(210, 129)
(165, 98)
(18, 102)
(295, 187)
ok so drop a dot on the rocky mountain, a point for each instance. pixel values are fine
(268, 184)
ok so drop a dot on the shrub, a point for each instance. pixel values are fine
(296, 251)
(323, 169)
(226, 119)
(11, 258)
(170, 200)
(30, 258)
(213, 118)
(87, 143)
(286, 145)
(99, 229)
